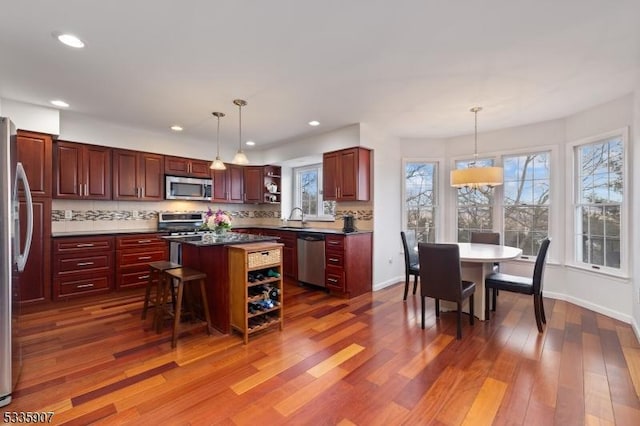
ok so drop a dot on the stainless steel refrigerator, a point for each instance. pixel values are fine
(12, 261)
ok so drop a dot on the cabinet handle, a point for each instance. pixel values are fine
(144, 241)
(144, 277)
(332, 280)
(80, 186)
(85, 285)
(144, 258)
(85, 245)
(85, 263)
(86, 190)
(333, 243)
(333, 259)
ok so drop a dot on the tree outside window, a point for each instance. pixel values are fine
(526, 201)
(421, 199)
(599, 197)
(475, 206)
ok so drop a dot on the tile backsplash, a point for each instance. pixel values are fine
(118, 215)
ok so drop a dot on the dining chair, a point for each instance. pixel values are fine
(487, 238)
(411, 265)
(523, 285)
(441, 278)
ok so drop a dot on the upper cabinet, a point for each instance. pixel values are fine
(228, 184)
(272, 184)
(137, 175)
(178, 166)
(346, 174)
(35, 152)
(253, 184)
(81, 171)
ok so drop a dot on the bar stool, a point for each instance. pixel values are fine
(156, 279)
(184, 276)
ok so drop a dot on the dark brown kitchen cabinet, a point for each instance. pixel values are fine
(137, 175)
(35, 152)
(82, 266)
(253, 184)
(348, 264)
(228, 184)
(35, 281)
(81, 171)
(133, 254)
(179, 166)
(346, 174)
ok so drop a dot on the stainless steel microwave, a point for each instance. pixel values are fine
(184, 188)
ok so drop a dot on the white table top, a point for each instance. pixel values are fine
(486, 253)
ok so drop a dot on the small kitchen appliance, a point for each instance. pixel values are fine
(349, 223)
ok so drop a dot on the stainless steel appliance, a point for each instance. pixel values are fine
(349, 223)
(311, 258)
(184, 188)
(12, 261)
(180, 225)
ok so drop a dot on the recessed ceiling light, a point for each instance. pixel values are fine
(176, 128)
(314, 123)
(70, 40)
(250, 143)
(59, 103)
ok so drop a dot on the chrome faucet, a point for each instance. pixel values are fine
(301, 215)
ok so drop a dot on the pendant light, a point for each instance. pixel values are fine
(240, 157)
(476, 177)
(217, 164)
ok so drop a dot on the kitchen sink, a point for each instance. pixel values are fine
(292, 228)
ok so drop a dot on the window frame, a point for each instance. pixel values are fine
(572, 204)
(552, 193)
(497, 194)
(440, 194)
(297, 201)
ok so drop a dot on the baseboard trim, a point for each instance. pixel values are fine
(388, 283)
(592, 306)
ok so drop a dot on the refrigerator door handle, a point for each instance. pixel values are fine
(21, 259)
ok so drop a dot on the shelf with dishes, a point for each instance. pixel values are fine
(272, 184)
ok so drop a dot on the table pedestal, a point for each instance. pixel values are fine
(476, 272)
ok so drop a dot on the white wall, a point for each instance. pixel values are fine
(32, 117)
(635, 215)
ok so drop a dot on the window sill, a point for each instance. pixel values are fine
(607, 272)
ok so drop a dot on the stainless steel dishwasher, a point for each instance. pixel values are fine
(311, 258)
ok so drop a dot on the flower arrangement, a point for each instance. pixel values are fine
(220, 221)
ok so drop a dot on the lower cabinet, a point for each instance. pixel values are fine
(289, 250)
(255, 283)
(82, 265)
(133, 254)
(348, 264)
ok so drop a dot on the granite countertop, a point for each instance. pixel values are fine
(104, 232)
(300, 229)
(206, 240)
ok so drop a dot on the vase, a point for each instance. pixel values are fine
(220, 230)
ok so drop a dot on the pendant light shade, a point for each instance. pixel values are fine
(240, 157)
(217, 164)
(476, 177)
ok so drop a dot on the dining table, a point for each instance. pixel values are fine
(476, 262)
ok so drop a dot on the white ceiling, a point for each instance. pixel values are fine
(414, 67)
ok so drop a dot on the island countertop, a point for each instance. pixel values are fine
(205, 240)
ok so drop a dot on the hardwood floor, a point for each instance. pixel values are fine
(362, 361)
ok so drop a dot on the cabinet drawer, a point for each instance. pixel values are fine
(334, 259)
(140, 257)
(334, 242)
(82, 245)
(334, 278)
(70, 285)
(139, 241)
(131, 278)
(96, 263)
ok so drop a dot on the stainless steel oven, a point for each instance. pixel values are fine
(184, 188)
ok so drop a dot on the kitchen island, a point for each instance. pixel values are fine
(208, 253)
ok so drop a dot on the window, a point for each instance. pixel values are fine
(599, 195)
(475, 206)
(308, 193)
(421, 199)
(526, 200)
